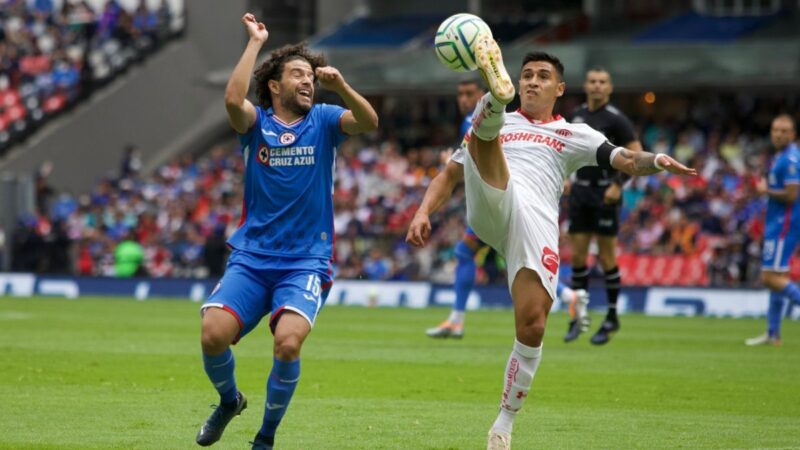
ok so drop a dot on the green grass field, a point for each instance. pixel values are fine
(101, 373)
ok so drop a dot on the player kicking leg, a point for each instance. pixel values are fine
(487, 177)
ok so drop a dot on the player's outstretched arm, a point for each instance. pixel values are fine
(242, 113)
(646, 163)
(361, 117)
(440, 189)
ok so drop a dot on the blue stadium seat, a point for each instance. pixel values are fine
(694, 27)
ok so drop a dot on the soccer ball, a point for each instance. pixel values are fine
(455, 41)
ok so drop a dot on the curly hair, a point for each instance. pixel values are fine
(272, 68)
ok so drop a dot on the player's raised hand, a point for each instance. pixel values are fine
(419, 231)
(672, 166)
(256, 30)
(329, 78)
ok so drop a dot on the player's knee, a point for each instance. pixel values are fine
(530, 330)
(287, 348)
(770, 280)
(214, 339)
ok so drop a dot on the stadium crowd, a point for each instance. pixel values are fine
(50, 58)
(174, 222)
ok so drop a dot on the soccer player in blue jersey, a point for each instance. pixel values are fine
(469, 92)
(280, 263)
(782, 226)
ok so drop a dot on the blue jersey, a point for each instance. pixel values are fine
(288, 184)
(785, 170)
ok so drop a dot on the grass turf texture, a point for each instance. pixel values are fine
(111, 373)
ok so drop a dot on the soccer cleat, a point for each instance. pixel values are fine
(446, 329)
(498, 441)
(607, 329)
(212, 430)
(764, 339)
(261, 442)
(490, 65)
(578, 311)
(574, 329)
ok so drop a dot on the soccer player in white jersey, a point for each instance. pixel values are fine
(514, 166)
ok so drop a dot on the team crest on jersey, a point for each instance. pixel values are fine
(263, 154)
(287, 137)
(550, 260)
(564, 132)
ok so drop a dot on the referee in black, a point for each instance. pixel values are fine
(594, 199)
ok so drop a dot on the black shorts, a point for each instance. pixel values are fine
(588, 213)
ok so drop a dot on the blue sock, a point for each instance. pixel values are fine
(465, 275)
(775, 314)
(220, 371)
(280, 387)
(792, 291)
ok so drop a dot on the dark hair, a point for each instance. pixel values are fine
(272, 68)
(542, 56)
(476, 81)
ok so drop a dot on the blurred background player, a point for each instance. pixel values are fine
(781, 227)
(594, 197)
(469, 92)
(281, 260)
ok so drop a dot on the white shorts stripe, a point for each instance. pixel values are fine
(776, 263)
(305, 316)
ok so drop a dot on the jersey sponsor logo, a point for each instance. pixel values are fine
(536, 138)
(288, 156)
(550, 260)
(564, 132)
(269, 133)
(287, 137)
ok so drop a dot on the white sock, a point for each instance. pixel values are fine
(456, 317)
(489, 117)
(520, 369)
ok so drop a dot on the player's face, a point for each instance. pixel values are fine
(597, 85)
(468, 96)
(297, 86)
(539, 85)
(782, 133)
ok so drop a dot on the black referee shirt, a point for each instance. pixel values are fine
(614, 125)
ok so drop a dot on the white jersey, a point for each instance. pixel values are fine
(521, 222)
(541, 155)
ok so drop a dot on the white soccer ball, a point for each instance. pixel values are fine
(455, 41)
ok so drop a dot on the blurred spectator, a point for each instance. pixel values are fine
(128, 258)
(49, 59)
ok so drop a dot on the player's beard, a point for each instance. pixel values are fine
(289, 102)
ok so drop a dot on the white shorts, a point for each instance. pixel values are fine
(526, 235)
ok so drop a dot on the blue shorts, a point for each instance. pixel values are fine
(469, 233)
(778, 249)
(255, 285)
